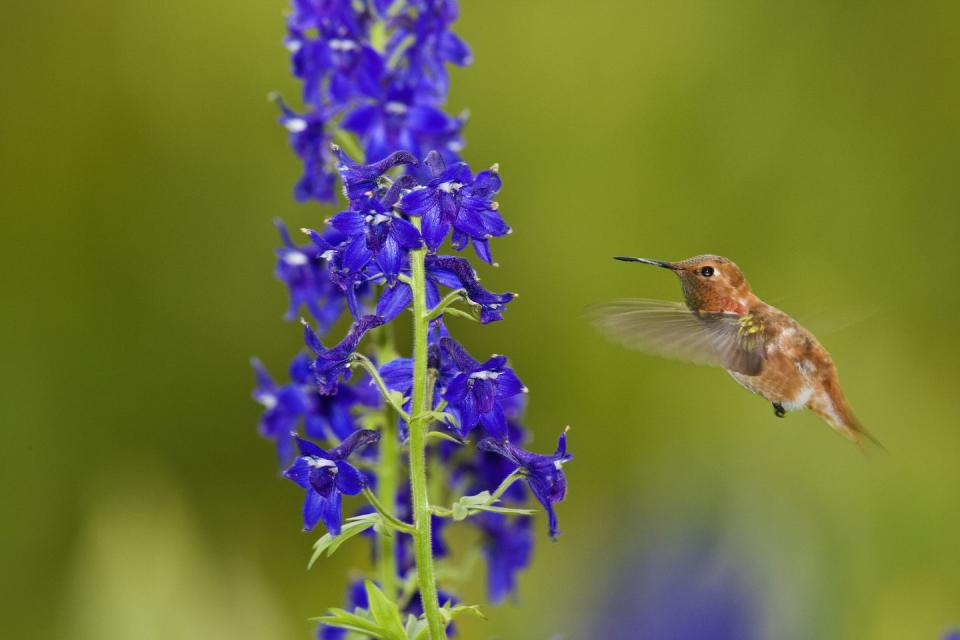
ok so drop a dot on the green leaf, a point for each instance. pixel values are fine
(415, 627)
(475, 500)
(352, 622)
(352, 527)
(385, 612)
(397, 398)
(460, 313)
(449, 613)
(443, 435)
(506, 510)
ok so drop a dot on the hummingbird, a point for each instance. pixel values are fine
(723, 323)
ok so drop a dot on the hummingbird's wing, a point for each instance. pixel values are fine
(671, 330)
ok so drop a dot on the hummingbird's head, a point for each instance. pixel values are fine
(710, 283)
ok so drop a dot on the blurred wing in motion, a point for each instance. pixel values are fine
(671, 330)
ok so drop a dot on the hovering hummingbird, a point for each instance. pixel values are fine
(723, 323)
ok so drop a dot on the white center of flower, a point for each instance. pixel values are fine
(449, 186)
(268, 400)
(377, 218)
(320, 463)
(396, 108)
(339, 44)
(293, 45)
(558, 464)
(485, 375)
(295, 258)
(295, 125)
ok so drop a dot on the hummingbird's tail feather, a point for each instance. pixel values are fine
(837, 413)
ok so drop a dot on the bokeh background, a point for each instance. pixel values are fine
(814, 144)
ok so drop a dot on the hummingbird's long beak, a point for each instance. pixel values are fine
(656, 263)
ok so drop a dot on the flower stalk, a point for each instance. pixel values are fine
(423, 545)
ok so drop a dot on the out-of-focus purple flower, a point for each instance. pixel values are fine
(311, 142)
(308, 281)
(401, 120)
(458, 199)
(478, 392)
(356, 598)
(683, 587)
(331, 417)
(329, 365)
(508, 547)
(326, 475)
(282, 409)
(337, 66)
(544, 473)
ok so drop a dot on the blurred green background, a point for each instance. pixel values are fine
(815, 144)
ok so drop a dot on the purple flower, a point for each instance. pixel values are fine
(311, 142)
(283, 408)
(326, 475)
(330, 365)
(544, 474)
(331, 417)
(450, 272)
(336, 67)
(384, 233)
(458, 199)
(308, 281)
(508, 547)
(400, 120)
(478, 392)
(361, 180)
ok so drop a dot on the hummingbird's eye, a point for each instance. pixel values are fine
(706, 272)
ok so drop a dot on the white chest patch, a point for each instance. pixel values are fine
(800, 400)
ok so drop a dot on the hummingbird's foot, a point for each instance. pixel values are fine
(778, 410)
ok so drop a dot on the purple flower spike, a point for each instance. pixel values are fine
(544, 473)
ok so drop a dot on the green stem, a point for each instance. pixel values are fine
(452, 297)
(396, 522)
(364, 362)
(422, 548)
(387, 473)
(509, 480)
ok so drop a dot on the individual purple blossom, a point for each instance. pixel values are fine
(400, 119)
(450, 272)
(283, 407)
(508, 548)
(326, 475)
(329, 365)
(433, 45)
(311, 142)
(544, 473)
(331, 417)
(338, 65)
(384, 234)
(478, 392)
(302, 269)
(361, 180)
(458, 199)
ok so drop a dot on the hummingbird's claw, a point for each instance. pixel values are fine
(778, 410)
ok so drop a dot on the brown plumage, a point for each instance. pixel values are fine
(723, 323)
